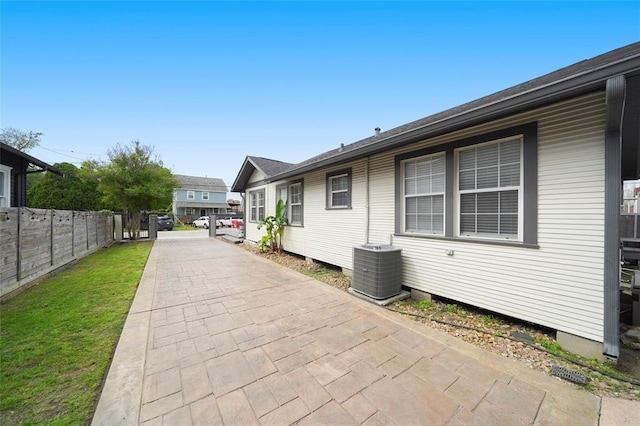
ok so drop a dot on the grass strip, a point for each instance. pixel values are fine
(56, 339)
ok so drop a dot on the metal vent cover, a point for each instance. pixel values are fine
(571, 376)
(377, 270)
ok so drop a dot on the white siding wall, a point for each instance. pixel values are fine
(559, 284)
(331, 234)
(252, 233)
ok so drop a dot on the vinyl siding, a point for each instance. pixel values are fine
(214, 197)
(252, 233)
(558, 285)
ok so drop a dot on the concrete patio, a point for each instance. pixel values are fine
(217, 335)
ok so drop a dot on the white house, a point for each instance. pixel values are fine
(510, 203)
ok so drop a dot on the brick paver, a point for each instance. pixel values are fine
(234, 339)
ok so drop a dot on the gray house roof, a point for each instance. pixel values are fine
(583, 77)
(265, 166)
(194, 183)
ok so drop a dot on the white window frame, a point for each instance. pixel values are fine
(191, 195)
(497, 189)
(330, 178)
(5, 190)
(283, 192)
(431, 194)
(292, 204)
(256, 205)
(205, 196)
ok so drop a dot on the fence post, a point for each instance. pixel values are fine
(73, 233)
(153, 226)
(19, 254)
(51, 239)
(86, 228)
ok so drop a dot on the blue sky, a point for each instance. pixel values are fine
(207, 83)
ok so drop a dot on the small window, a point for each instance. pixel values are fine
(191, 195)
(339, 189)
(187, 211)
(256, 206)
(205, 196)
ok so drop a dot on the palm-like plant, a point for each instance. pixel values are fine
(275, 228)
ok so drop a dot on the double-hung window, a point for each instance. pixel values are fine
(423, 191)
(489, 189)
(256, 206)
(191, 195)
(295, 204)
(205, 196)
(292, 194)
(339, 189)
(482, 188)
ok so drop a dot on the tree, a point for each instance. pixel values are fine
(73, 191)
(135, 181)
(22, 141)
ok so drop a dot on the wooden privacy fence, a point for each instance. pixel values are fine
(36, 242)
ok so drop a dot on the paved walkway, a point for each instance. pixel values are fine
(217, 335)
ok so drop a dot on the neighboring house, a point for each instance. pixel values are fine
(510, 203)
(14, 167)
(198, 196)
(235, 206)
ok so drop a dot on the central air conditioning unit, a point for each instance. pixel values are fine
(377, 270)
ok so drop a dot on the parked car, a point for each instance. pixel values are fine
(201, 222)
(165, 223)
(228, 221)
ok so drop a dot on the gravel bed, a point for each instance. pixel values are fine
(465, 322)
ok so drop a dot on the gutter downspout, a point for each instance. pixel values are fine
(244, 215)
(366, 200)
(615, 99)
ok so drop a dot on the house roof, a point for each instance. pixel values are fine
(583, 77)
(265, 166)
(29, 159)
(194, 183)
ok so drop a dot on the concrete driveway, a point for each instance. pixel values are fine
(217, 335)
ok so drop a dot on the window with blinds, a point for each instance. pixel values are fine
(424, 190)
(489, 189)
(339, 189)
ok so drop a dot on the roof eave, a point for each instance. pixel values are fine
(569, 87)
(243, 175)
(32, 160)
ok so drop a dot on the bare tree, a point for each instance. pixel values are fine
(22, 141)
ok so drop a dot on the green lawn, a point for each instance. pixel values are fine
(56, 339)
